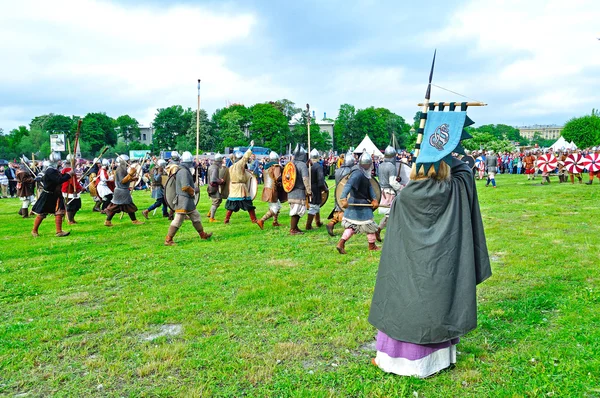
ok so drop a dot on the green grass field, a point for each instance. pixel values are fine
(262, 313)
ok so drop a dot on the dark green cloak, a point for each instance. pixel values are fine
(433, 257)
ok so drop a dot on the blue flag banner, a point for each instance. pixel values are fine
(442, 136)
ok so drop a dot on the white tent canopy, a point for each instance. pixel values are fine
(367, 144)
(561, 143)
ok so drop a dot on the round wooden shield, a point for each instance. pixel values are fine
(288, 178)
(324, 197)
(340, 187)
(163, 180)
(470, 160)
(171, 192)
(252, 185)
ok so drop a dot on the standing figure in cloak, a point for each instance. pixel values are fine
(122, 200)
(217, 176)
(346, 168)
(529, 161)
(185, 200)
(51, 199)
(359, 192)
(158, 191)
(390, 185)
(301, 191)
(105, 185)
(273, 192)
(317, 186)
(71, 194)
(434, 255)
(25, 184)
(239, 197)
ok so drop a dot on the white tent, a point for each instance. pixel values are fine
(561, 143)
(367, 144)
(572, 146)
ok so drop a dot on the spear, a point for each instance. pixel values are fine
(74, 179)
(424, 111)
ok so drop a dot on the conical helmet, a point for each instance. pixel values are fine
(218, 157)
(365, 160)
(273, 156)
(314, 154)
(349, 159)
(389, 152)
(300, 154)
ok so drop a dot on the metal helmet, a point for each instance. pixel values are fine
(161, 163)
(69, 158)
(238, 155)
(187, 157)
(349, 160)
(97, 160)
(105, 162)
(121, 159)
(218, 157)
(389, 152)
(54, 157)
(273, 156)
(300, 154)
(314, 154)
(175, 156)
(46, 163)
(365, 160)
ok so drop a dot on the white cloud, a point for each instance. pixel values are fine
(78, 56)
(541, 57)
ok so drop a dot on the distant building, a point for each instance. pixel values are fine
(324, 124)
(146, 133)
(547, 132)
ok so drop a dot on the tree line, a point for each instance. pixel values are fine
(268, 124)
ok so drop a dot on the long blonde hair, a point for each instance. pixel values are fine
(443, 173)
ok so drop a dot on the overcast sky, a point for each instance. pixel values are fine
(533, 62)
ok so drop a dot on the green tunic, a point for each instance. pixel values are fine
(433, 257)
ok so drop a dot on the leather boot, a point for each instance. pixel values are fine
(36, 224)
(589, 182)
(378, 235)
(341, 246)
(96, 207)
(318, 222)
(227, 216)
(145, 214)
(309, 220)
(204, 235)
(294, 230)
(275, 221)
(71, 218)
(373, 246)
(170, 235)
(329, 227)
(580, 179)
(25, 213)
(59, 232)
(21, 211)
(252, 214)
(107, 223)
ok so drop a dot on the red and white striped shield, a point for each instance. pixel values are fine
(547, 163)
(592, 162)
(574, 163)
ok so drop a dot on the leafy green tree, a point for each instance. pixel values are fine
(343, 130)
(243, 115)
(170, 123)
(39, 122)
(380, 124)
(541, 142)
(209, 140)
(98, 130)
(128, 128)
(61, 124)
(269, 126)
(583, 131)
(318, 139)
(230, 132)
(287, 107)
